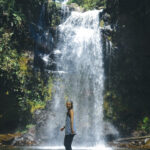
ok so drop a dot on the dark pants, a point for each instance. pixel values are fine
(68, 141)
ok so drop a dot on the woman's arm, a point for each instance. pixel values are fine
(71, 120)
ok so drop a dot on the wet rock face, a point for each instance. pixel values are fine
(110, 133)
(40, 118)
(126, 43)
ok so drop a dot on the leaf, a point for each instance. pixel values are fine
(7, 93)
(17, 17)
(146, 120)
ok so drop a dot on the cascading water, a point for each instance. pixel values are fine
(83, 82)
(80, 79)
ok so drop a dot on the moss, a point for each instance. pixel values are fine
(8, 137)
(35, 105)
(49, 89)
(23, 132)
(102, 23)
(107, 109)
(58, 5)
(23, 61)
(109, 38)
(102, 7)
(30, 126)
(89, 4)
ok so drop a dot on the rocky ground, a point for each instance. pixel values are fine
(29, 138)
(132, 142)
(18, 139)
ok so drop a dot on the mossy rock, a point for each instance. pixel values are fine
(102, 7)
(7, 138)
(109, 38)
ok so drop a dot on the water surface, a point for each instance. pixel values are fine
(59, 148)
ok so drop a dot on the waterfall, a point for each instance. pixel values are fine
(80, 79)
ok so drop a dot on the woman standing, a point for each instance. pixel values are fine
(69, 127)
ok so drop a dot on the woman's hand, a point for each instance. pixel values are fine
(72, 131)
(62, 129)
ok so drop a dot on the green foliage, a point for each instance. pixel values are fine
(89, 4)
(22, 90)
(145, 125)
(36, 105)
(54, 13)
(10, 14)
(30, 126)
(24, 129)
(79, 2)
(18, 18)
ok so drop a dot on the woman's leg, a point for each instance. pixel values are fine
(68, 141)
(71, 139)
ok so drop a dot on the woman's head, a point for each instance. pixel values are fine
(69, 104)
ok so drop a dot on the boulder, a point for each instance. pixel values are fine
(26, 139)
(147, 143)
(6, 139)
(110, 132)
(146, 140)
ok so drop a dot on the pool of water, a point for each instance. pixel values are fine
(59, 148)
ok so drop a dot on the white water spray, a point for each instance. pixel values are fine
(82, 61)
